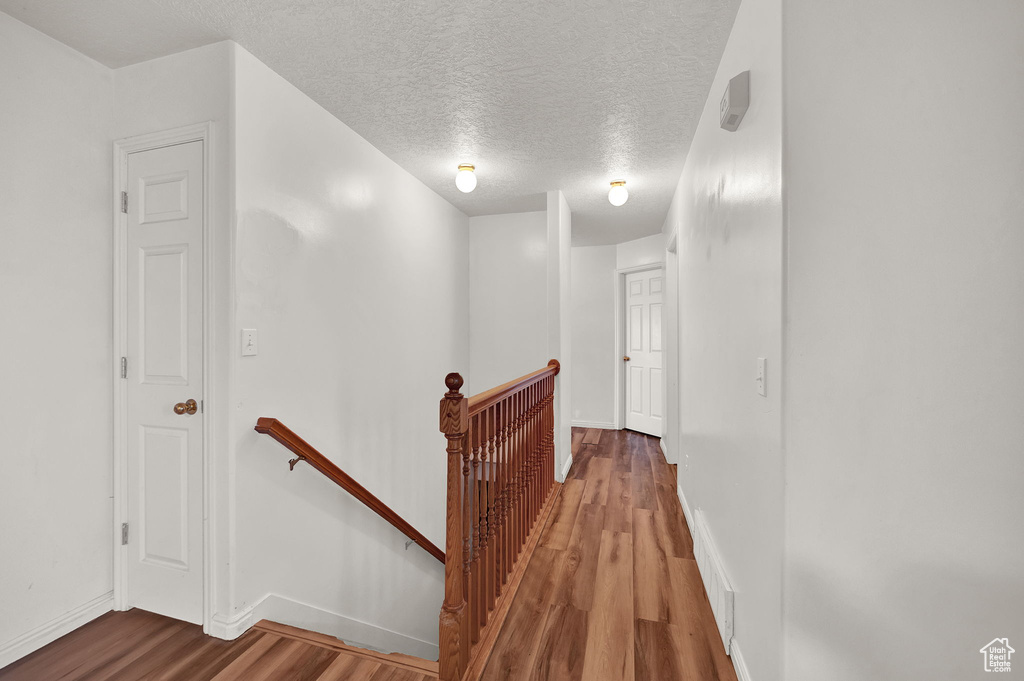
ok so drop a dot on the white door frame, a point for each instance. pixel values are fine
(670, 425)
(620, 339)
(122, 148)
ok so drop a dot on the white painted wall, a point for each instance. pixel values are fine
(727, 212)
(507, 298)
(905, 300)
(593, 336)
(355, 276)
(645, 251)
(171, 92)
(55, 343)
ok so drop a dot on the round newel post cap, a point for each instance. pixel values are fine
(454, 382)
(554, 363)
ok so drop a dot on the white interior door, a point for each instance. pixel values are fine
(643, 357)
(165, 369)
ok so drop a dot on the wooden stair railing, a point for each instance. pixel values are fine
(305, 452)
(501, 479)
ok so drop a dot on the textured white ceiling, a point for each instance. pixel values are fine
(539, 94)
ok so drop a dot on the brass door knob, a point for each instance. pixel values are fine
(626, 358)
(188, 407)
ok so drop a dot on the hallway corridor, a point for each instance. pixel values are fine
(612, 592)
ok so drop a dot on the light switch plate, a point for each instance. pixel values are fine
(762, 376)
(249, 346)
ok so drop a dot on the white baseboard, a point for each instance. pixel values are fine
(594, 424)
(353, 632)
(670, 457)
(742, 673)
(565, 468)
(230, 628)
(33, 640)
(686, 508)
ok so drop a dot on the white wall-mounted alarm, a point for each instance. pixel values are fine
(735, 101)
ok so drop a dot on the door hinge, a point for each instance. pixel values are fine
(124, 534)
(124, 367)
(124, 202)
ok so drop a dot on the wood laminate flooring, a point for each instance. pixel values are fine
(612, 592)
(140, 646)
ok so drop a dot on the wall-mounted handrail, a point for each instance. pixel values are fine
(306, 452)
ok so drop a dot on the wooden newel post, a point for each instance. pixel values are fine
(453, 641)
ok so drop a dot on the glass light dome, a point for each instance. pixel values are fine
(465, 179)
(617, 195)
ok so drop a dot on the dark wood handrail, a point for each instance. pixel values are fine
(306, 452)
(480, 401)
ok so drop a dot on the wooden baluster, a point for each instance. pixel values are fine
(516, 472)
(539, 465)
(553, 435)
(491, 519)
(525, 470)
(541, 442)
(485, 529)
(471, 505)
(539, 492)
(507, 486)
(528, 485)
(493, 577)
(480, 532)
(453, 644)
(506, 514)
(499, 575)
(543, 482)
(528, 488)
(520, 472)
(496, 541)
(482, 501)
(528, 418)
(534, 450)
(514, 482)
(549, 454)
(549, 431)
(467, 524)
(545, 468)
(474, 569)
(541, 446)
(543, 472)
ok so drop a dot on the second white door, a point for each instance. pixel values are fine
(165, 381)
(643, 355)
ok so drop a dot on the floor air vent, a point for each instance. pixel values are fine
(716, 582)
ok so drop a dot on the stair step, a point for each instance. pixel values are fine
(398, 660)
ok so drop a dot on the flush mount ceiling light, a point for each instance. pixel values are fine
(617, 195)
(465, 179)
